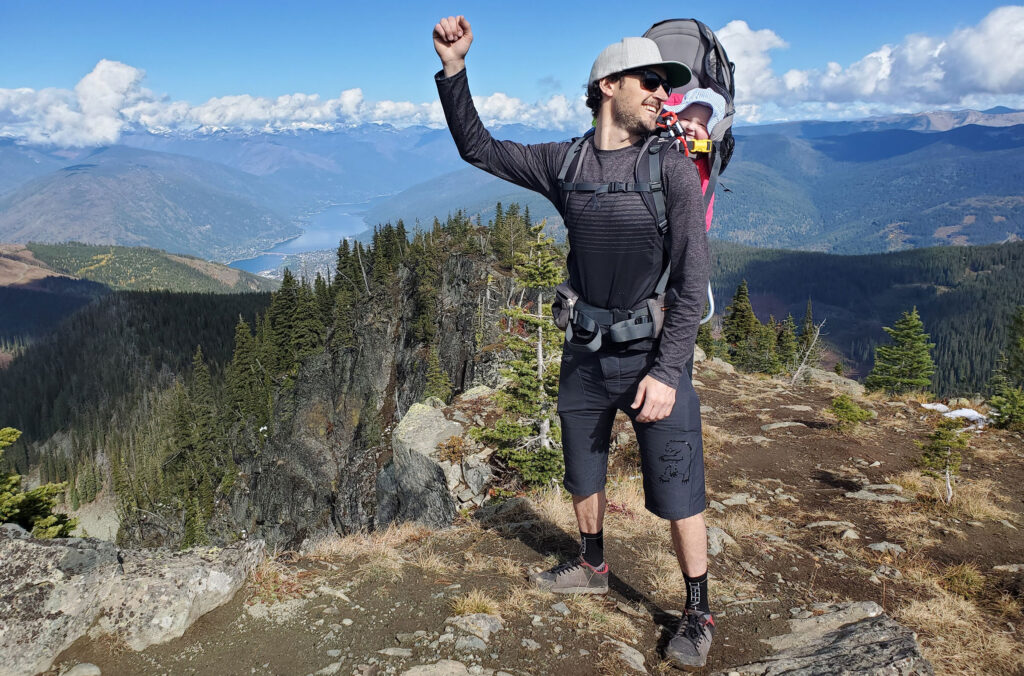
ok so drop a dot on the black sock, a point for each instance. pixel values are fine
(697, 593)
(592, 548)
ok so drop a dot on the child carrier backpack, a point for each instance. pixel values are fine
(693, 43)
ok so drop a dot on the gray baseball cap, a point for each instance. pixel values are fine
(633, 53)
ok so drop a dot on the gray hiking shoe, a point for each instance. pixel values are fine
(692, 641)
(574, 577)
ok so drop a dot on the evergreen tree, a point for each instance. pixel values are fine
(808, 351)
(243, 380)
(32, 510)
(509, 235)
(740, 322)
(438, 383)
(526, 433)
(1013, 367)
(941, 453)
(786, 344)
(308, 328)
(324, 299)
(343, 330)
(906, 365)
(281, 323)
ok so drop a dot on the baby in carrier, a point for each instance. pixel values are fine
(697, 111)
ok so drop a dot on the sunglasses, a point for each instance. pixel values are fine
(650, 80)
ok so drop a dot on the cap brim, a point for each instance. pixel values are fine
(678, 73)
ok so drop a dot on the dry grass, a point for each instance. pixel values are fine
(1008, 607)
(907, 523)
(716, 439)
(357, 544)
(742, 522)
(554, 506)
(524, 599)
(663, 575)
(475, 601)
(626, 511)
(958, 638)
(598, 615)
(964, 579)
(731, 586)
(273, 582)
(383, 566)
(431, 562)
(973, 499)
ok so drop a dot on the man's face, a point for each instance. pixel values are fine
(634, 108)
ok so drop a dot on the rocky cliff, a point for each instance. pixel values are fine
(319, 471)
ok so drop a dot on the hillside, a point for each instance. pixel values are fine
(849, 187)
(801, 517)
(130, 197)
(145, 269)
(42, 284)
(965, 296)
(860, 192)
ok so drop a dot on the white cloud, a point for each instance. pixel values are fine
(976, 66)
(922, 71)
(111, 99)
(748, 49)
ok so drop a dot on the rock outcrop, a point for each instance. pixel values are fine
(328, 465)
(850, 638)
(54, 591)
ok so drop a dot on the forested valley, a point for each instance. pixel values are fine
(181, 401)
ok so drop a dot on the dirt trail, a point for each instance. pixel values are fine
(381, 604)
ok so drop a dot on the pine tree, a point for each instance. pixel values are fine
(808, 350)
(509, 235)
(526, 433)
(906, 365)
(1014, 352)
(281, 322)
(786, 344)
(740, 322)
(438, 383)
(324, 299)
(33, 510)
(307, 334)
(941, 453)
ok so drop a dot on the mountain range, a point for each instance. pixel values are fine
(849, 187)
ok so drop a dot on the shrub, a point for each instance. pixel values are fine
(848, 414)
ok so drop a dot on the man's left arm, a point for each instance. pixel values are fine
(691, 268)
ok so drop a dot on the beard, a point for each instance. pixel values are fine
(630, 120)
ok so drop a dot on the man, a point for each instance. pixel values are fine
(617, 254)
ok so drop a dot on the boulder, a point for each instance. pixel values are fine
(843, 385)
(422, 429)
(850, 638)
(477, 473)
(474, 393)
(698, 354)
(54, 591)
(414, 486)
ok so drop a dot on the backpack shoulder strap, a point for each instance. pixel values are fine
(571, 165)
(648, 173)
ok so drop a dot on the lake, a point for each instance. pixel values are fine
(325, 231)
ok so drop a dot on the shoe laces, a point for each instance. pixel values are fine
(566, 565)
(692, 627)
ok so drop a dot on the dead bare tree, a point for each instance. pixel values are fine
(808, 352)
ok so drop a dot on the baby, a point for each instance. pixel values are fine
(698, 111)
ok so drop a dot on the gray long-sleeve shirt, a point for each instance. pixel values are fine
(615, 251)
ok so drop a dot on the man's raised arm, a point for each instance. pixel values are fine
(452, 38)
(534, 167)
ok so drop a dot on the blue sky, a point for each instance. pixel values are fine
(192, 52)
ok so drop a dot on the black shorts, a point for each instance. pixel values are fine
(592, 386)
